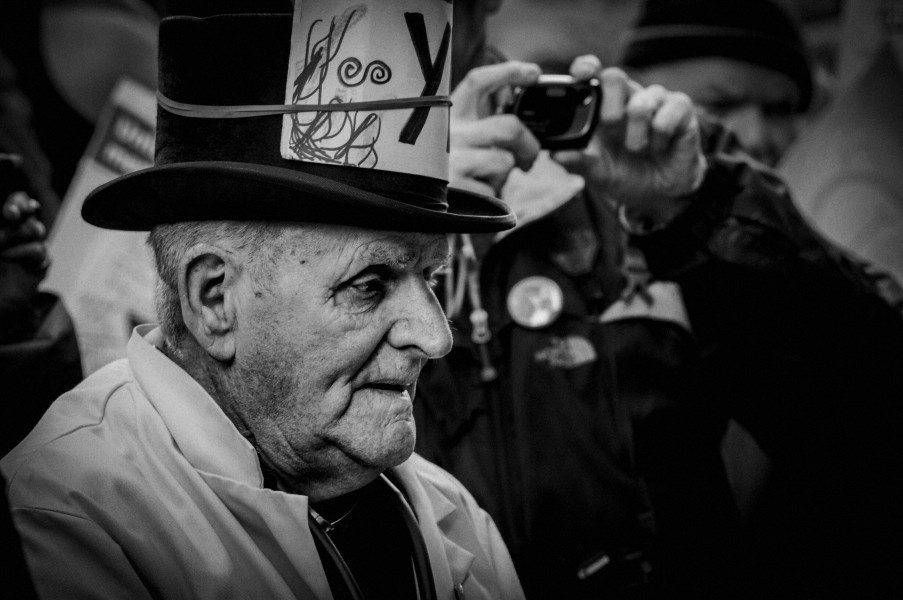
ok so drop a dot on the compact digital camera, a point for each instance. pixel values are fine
(560, 111)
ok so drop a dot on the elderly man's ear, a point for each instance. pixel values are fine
(207, 278)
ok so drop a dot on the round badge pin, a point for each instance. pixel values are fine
(535, 302)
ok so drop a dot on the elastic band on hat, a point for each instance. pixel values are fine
(241, 111)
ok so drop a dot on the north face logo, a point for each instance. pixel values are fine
(567, 352)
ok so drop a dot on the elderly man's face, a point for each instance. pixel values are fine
(330, 344)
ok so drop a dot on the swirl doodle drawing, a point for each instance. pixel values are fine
(335, 137)
(352, 74)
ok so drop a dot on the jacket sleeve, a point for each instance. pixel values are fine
(799, 343)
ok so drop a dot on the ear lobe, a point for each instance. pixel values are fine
(206, 277)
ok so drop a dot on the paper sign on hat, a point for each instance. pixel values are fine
(382, 60)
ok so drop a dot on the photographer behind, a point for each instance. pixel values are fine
(656, 288)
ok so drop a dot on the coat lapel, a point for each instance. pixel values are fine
(451, 563)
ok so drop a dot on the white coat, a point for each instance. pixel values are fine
(136, 485)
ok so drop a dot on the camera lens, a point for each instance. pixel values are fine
(548, 111)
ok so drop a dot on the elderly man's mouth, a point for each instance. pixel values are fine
(388, 386)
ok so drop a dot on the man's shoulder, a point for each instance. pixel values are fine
(87, 404)
(85, 430)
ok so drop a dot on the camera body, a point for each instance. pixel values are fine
(560, 111)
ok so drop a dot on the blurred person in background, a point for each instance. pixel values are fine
(39, 356)
(69, 54)
(590, 425)
(59, 59)
(744, 62)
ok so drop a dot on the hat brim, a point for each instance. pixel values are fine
(233, 191)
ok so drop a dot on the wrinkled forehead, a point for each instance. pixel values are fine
(349, 246)
(401, 250)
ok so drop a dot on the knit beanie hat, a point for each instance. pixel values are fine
(754, 31)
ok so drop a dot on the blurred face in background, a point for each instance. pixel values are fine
(757, 104)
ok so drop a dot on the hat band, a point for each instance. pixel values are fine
(240, 111)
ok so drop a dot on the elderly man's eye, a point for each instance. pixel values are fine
(365, 290)
(370, 288)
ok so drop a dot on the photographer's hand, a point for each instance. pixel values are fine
(484, 146)
(646, 153)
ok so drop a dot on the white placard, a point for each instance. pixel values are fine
(106, 277)
(346, 51)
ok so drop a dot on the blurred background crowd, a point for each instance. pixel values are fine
(62, 59)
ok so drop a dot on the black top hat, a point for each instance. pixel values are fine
(218, 168)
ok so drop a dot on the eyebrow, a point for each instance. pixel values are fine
(403, 255)
(391, 256)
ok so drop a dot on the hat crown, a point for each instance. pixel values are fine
(243, 60)
(209, 165)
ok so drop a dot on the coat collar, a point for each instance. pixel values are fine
(439, 524)
(186, 409)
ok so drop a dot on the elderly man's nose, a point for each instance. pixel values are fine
(420, 323)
